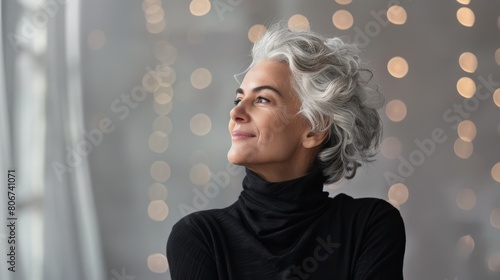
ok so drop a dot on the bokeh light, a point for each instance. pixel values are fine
(165, 74)
(466, 16)
(155, 28)
(154, 14)
(156, 19)
(200, 124)
(298, 22)
(496, 97)
(391, 147)
(165, 52)
(150, 82)
(158, 210)
(163, 109)
(160, 171)
(199, 174)
(465, 245)
(396, 110)
(462, 148)
(494, 262)
(342, 19)
(199, 7)
(397, 67)
(201, 78)
(466, 87)
(466, 130)
(394, 203)
(464, 2)
(157, 191)
(397, 14)
(163, 124)
(158, 263)
(495, 172)
(96, 39)
(468, 62)
(497, 55)
(343, 2)
(163, 95)
(148, 3)
(256, 32)
(399, 193)
(151, 8)
(495, 218)
(158, 141)
(466, 199)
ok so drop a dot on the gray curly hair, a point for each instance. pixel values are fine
(335, 97)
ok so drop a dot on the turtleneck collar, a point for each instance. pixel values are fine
(274, 210)
(290, 196)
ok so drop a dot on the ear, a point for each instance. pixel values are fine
(314, 139)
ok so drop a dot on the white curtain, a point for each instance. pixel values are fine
(5, 161)
(57, 231)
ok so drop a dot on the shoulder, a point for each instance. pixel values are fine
(377, 229)
(365, 205)
(201, 223)
(190, 245)
(370, 212)
(192, 234)
(200, 220)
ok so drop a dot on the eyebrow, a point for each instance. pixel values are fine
(260, 88)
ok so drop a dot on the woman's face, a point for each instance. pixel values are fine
(268, 136)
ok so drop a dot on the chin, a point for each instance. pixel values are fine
(235, 158)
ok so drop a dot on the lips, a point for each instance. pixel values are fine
(237, 134)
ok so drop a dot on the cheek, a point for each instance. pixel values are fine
(276, 132)
(279, 123)
(282, 132)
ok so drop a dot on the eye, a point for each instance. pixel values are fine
(236, 101)
(262, 100)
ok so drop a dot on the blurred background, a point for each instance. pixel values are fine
(114, 114)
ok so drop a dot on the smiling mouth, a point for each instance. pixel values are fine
(240, 135)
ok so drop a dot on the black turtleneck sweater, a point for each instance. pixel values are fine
(289, 230)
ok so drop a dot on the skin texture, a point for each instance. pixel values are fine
(268, 136)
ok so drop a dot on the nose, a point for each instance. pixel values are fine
(239, 112)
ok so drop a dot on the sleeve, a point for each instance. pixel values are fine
(188, 256)
(383, 245)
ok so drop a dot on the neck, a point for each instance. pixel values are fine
(273, 173)
(285, 171)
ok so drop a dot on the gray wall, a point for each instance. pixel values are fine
(431, 41)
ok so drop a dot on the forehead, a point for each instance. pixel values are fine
(268, 72)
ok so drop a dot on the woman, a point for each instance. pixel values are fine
(303, 116)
